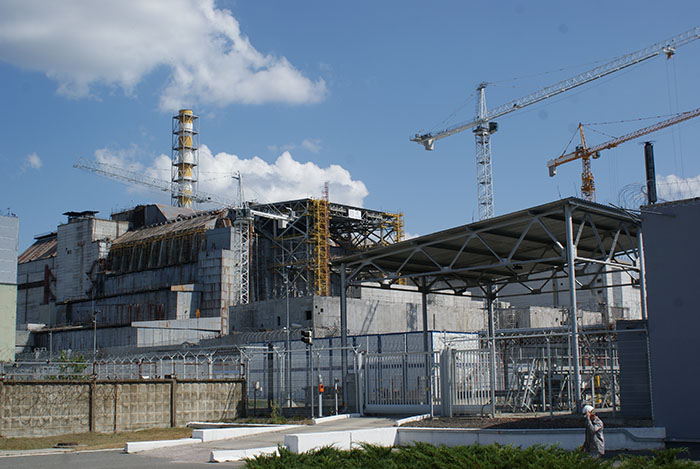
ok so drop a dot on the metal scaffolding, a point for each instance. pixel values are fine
(531, 248)
(302, 247)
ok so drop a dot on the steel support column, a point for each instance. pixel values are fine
(344, 331)
(570, 259)
(642, 273)
(490, 297)
(426, 344)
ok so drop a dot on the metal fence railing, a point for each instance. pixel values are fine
(532, 371)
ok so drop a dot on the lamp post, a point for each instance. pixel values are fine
(288, 345)
(94, 335)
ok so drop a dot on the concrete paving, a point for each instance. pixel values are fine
(200, 453)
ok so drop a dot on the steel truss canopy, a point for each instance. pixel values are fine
(528, 247)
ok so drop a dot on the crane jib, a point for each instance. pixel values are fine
(666, 47)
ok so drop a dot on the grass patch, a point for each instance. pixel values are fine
(95, 440)
(425, 456)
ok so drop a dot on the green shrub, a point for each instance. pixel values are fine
(422, 455)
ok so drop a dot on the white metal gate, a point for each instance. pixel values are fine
(401, 382)
(470, 388)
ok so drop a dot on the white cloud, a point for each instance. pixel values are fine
(285, 179)
(672, 187)
(33, 161)
(310, 144)
(81, 44)
(313, 145)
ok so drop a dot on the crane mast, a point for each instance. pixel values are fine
(483, 119)
(584, 153)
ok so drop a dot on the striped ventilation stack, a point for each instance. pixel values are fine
(185, 158)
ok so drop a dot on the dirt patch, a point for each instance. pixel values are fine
(535, 421)
(82, 441)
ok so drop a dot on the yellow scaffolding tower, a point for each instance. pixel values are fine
(397, 225)
(320, 243)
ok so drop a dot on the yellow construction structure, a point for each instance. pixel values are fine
(320, 240)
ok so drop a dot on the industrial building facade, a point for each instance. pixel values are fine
(158, 275)
(9, 230)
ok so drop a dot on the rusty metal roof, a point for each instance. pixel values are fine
(201, 222)
(43, 248)
(172, 213)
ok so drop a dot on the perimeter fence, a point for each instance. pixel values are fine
(531, 371)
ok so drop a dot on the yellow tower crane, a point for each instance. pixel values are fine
(585, 153)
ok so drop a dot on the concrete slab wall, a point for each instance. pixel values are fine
(79, 244)
(38, 409)
(54, 408)
(217, 276)
(375, 313)
(148, 280)
(570, 439)
(8, 309)
(616, 439)
(9, 231)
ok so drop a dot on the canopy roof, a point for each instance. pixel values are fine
(512, 248)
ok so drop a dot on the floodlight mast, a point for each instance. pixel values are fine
(482, 123)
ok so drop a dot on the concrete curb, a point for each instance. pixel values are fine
(345, 439)
(616, 439)
(334, 417)
(201, 425)
(228, 455)
(138, 446)
(17, 453)
(415, 418)
(213, 434)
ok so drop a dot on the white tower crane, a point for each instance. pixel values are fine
(483, 124)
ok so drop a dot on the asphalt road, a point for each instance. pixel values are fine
(187, 456)
(197, 455)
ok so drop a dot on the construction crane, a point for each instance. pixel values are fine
(585, 153)
(483, 124)
(121, 174)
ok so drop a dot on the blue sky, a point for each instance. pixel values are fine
(293, 94)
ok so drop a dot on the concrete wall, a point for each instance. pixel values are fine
(136, 334)
(9, 231)
(526, 317)
(217, 281)
(377, 312)
(80, 243)
(8, 309)
(615, 301)
(672, 260)
(158, 333)
(55, 408)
